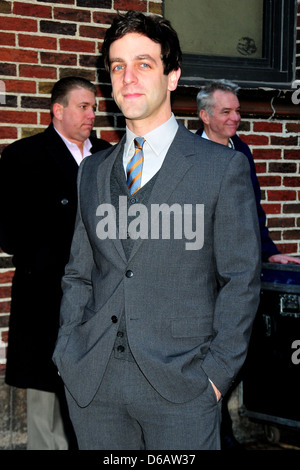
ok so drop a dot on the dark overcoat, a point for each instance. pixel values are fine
(38, 204)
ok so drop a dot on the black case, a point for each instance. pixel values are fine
(271, 375)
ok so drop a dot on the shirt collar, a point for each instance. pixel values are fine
(159, 139)
(230, 142)
(73, 148)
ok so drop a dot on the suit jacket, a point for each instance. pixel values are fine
(268, 247)
(38, 202)
(188, 313)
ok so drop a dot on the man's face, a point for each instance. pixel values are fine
(225, 119)
(75, 121)
(140, 88)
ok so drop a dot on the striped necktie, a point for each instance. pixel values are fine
(135, 165)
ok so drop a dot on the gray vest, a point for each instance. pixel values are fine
(119, 188)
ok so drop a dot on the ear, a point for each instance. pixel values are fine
(173, 79)
(204, 116)
(58, 111)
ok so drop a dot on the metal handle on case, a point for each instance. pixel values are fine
(289, 305)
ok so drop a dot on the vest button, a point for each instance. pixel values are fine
(129, 273)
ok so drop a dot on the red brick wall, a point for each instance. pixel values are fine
(44, 40)
(40, 42)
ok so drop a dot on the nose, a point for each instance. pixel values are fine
(234, 117)
(91, 113)
(129, 75)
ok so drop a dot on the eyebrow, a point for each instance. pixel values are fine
(229, 109)
(138, 57)
(87, 102)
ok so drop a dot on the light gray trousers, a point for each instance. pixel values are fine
(128, 414)
(45, 428)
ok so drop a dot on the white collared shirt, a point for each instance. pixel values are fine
(230, 142)
(156, 146)
(74, 149)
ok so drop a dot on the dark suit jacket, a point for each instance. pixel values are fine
(188, 312)
(268, 247)
(38, 202)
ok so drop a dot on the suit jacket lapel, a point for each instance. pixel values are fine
(171, 173)
(175, 166)
(104, 189)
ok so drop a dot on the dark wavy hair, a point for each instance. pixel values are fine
(155, 28)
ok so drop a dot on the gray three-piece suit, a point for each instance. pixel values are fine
(187, 313)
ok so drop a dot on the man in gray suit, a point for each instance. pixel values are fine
(162, 284)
